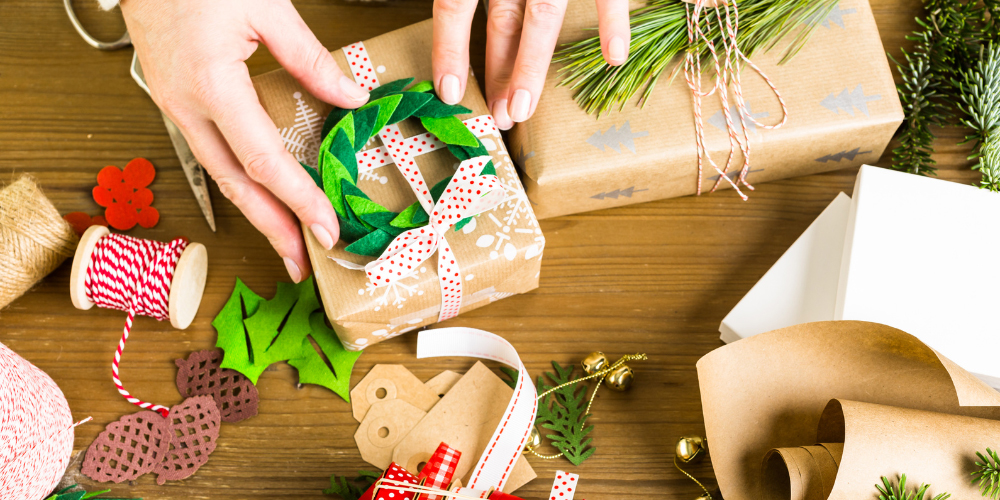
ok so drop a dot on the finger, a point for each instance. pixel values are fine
(503, 33)
(271, 217)
(450, 50)
(616, 33)
(254, 140)
(296, 48)
(542, 21)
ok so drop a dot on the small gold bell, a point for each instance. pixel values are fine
(619, 379)
(534, 439)
(594, 362)
(691, 449)
(704, 497)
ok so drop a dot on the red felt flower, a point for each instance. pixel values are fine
(81, 221)
(124, 195)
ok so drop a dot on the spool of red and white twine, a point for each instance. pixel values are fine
(142, 277)
(36, 430)
(726, 74)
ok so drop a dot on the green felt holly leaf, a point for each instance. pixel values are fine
(352, 489)
(241, 305)
(450, 130)
(424, 86)
(563, 413)
(333, 372)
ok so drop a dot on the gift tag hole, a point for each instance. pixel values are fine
(383, 432)
(420, 466)
(381, 393)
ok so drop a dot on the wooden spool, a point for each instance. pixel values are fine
(186, 289)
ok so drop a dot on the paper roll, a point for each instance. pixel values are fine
(899, 407)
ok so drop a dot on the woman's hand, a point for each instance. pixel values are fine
(520, 40)
(192, 53)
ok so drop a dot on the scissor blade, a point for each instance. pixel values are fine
(192, 169)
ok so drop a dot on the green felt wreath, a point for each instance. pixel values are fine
(366, 225)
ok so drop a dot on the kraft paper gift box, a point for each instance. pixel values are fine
(842, 102)
(906, 251)
(498, 253)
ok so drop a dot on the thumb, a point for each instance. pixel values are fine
(296, 48)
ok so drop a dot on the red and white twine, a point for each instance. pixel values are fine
(133, 275)
(728, 20)
(36, 430)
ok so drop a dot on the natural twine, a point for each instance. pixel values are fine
(34, 239)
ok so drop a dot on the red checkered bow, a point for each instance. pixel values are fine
(440, 468)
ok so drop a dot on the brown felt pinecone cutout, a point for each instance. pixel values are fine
(128, 448)
(194, 425)
(201, 375)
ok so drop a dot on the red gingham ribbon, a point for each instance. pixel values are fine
(134, 275)
(440, 468)
(468, 193)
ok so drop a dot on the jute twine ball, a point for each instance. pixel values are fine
(36, 430)
(34, 239)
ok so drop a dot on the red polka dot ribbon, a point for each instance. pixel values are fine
(468, 193)
(564, 486)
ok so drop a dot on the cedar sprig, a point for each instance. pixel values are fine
(890, 491)
(979, 89)
(659, 35)
(988, 475)
(352, 489)
(76, 492)
(922, 97)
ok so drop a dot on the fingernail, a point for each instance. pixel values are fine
(450, 89)
(355, 92)
(322, 236)
(520, 105)
(616, 50)
(293, 269)
(500, 115)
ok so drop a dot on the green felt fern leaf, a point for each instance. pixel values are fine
(563, 412)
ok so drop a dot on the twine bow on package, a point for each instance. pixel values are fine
(434, 220)
(841, 103)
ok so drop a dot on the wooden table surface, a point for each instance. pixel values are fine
(655, 278)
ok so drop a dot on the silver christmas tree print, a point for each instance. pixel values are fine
(303, 138)
(520, 157)
(627, 192)
(614, 138)
(719, 121)
(736, 173)
(836, 16)
(849, 101)
(843, 155)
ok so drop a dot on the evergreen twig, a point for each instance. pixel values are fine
(889, 491)
(979, 89)
(352, 489)
(988, 475)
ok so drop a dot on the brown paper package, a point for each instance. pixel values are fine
(499, 253)
(843, 110)
(824, 410)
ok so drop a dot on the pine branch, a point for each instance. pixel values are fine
(890, 491)
(352, 489)
(921, 95)
(979, 90)
(988, 475)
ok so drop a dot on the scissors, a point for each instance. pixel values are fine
(192, 168)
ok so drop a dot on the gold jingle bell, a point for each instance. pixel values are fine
(534, 439)
(704, 497)
(691, 449)
(594, 362)
(619, 379)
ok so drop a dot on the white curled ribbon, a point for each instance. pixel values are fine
(497, 461)
(469, 193)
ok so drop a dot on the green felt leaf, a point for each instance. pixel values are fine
(563, 412)
(372, 245)
(80, 494)
(364, 125)
(352, 489)
(511, 376)
(392, 87)
(405, 218)
(342, 149)
(410, 103)
(262, 327)
(386, 106)
(314, 174)
(364, 206)
(331, 120)
(450, 130)
(351, 230)
(423, 86)
(333, 372)
(437, 109)
(349, 189)
(232, 334)
(383, 221)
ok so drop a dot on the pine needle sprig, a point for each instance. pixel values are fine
(922, 97)
(659, 35)
(352, 489)
(988, 475)
(979, 89)
(890, 491)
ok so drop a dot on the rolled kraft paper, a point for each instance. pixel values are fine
(801, 473)
(769, 391)
(34, 239)
(36, 433)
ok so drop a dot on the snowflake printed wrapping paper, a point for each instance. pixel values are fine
(842, 111)
(498, 253)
